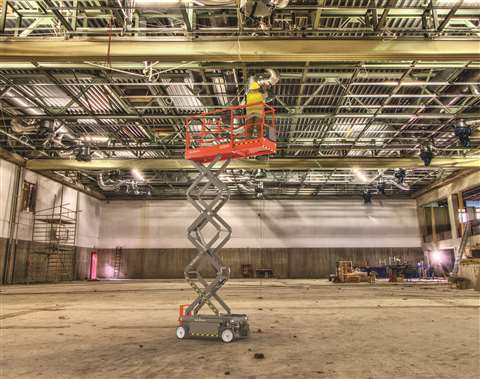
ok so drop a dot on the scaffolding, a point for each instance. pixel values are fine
(51, 257)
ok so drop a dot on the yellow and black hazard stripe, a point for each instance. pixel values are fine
(202, 294)
(204, 335)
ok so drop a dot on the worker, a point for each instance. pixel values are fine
(256, 97)
(255, 100)
(420, 269)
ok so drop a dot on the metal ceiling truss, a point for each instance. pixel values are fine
(368, 103)
(331, 116)
(279, 184)
(301, 18)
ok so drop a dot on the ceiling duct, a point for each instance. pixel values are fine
(111, 185)
(24, 127)
(261, 8)
(25, 106)
(381, 178)
(154, 5)
(468, 76)
(129, 186)
(273, 79)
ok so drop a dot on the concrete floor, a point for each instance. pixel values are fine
(305, 328)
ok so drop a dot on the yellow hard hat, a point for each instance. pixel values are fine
(254, 85)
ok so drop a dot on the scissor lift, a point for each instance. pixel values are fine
(212, 140)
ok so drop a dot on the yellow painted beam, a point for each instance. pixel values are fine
(273, 164)
(237, 51)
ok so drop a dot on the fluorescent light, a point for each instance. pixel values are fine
(170, 3)
(360, 175)
(137, 175)
(95, 139)
(453, 2)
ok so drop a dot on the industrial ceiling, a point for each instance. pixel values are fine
(364, 87)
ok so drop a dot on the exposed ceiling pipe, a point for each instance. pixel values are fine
(111, 185)
(153, 5)
(25, 105)
(27, 127)
(402, 186)
(129, 186)
(273, 79)
(266, 83)
(469, 76)
(261, 8)
(381, 177)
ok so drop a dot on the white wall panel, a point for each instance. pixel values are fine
(88, 226)
(299, 223)
(7, 179)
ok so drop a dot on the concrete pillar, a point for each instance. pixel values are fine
(453, 215)
(461, 206)
(10, 253)
(434, 226)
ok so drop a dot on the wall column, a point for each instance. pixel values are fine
(434, 226)
(9, 263)
(453, 215)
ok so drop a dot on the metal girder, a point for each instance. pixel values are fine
(273, 164)
(242, 50)
(279, 116)
(20, 161)
(53, 8)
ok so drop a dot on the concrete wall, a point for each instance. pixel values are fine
(285, 262)
(470, 269)
(294, 238)
(268, 224)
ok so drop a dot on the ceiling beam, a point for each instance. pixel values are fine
(273, 164)
(397, 116)
(20, 161)
(55, 50)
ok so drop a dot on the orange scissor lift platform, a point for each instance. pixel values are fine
(231, 134)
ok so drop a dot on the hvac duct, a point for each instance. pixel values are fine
(469, 76)
(402, 186)
(111, 185)
(61, 133)
(26, 106)
(388, 179)
(273, 79)
(266, 83)
(146, 5)
(127, 185)
(28, 127)
(251, 8)
(261, 8)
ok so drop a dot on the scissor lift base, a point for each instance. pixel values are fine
(227, 327)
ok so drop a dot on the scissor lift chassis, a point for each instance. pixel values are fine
(214, 326)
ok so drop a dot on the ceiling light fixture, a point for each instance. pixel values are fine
(360, 175)
(95, 139)
(137, 175)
